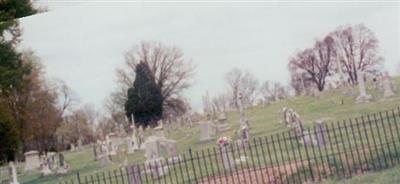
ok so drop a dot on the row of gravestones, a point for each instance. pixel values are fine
(153, 146)
(47, 165)
(291, 119)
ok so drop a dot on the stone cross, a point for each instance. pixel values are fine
(13, 173)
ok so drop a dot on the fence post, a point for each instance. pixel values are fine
(78, 177)
(191, 161)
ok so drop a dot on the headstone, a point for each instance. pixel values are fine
(284, 116)
(159, 132)
(206, 130)
(153, 163)
(111, 140)
(94, 147)
(241, 110)
(13, 173)
(63, 166)
(121, 130)
(170, 147)
(387, 86)
(222, 124)
(72, 147)
(245, 135)
(320, 132)
(45, 170)
(32, 161)
(227, 159)
(152, 148)
(80, 146)
(104, 156)
(141, 138)
(363, 96)
(134, 176)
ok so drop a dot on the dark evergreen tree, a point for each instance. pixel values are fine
(145, 101)
(12, 72)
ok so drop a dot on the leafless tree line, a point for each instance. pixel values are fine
(338, 55)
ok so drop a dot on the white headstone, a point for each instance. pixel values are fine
(387, 86)
(13, 170)
(45, 170)
(206, 130)
(363, 96)
(222, 124)
(32, 161)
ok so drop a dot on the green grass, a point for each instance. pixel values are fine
(264, 122)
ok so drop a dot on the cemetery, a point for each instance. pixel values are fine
(126, 92)
(264, 121)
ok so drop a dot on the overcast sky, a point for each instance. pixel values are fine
(82, 43)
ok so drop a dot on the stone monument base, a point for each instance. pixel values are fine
(363, 99)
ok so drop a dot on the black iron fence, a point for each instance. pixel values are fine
(337, 150)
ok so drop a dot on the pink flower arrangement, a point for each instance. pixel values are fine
(223, 141)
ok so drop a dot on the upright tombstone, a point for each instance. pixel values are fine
(387, 86)
(104, 156)
(159, 131)
(32, 161)
(363, 96)
(45, 170)
(222, 124)
(111, 140)
(141, 138)
(72, 147)
(206, 129)
(63, 166)
(153, 163)
(95, 154)
(13, 174)
(320, 132)
(245, 135)
(243, 120)
(225, 153)
(80, 146)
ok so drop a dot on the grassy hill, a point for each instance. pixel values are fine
(264, 121)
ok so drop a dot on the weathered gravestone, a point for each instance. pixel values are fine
(13, 174)
(206, 130)
(104, 156)
(112, 140)
(45, 170)
(387, 86)
(320, 132)
(222, 124)
(63, 166)
(95, 154)
(363, 96)
(32, 161)
(153, 163)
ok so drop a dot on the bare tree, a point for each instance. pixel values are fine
(220, 102)
(315, 62)
(170, 70)
(242, 82)
(272, 91)
(357, 49)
